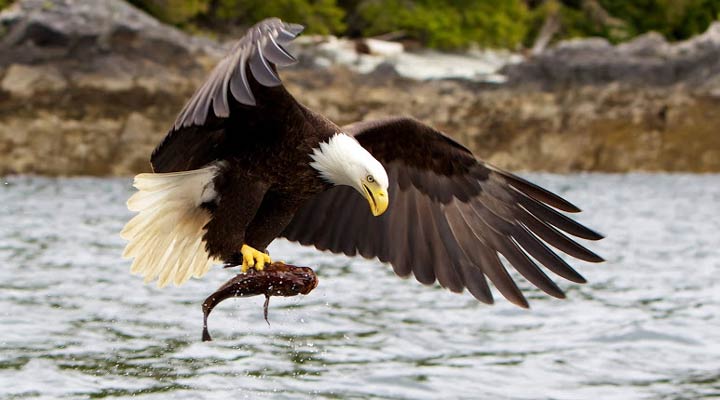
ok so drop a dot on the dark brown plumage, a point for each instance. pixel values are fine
(260, 134)
(450, 216)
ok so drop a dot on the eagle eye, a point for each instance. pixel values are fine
(370, 179)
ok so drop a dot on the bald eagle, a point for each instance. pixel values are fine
(245, 163)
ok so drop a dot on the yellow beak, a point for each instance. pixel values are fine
(377, 198)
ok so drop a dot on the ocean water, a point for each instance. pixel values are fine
(75, 324)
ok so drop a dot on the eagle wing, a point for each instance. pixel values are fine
(450, 218)
(244, 80)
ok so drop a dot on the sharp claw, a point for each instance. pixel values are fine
(260, 263)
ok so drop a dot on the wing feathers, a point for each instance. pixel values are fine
(451, 217)
(539, 251)
(438, 258)
(496, 231)
(419, 251)
(537, 192)
(261, 70)
(401, 224)
(239, 86)
(527, 268)
(498, 275)
(276, 54)
(556, 219)
(472, 269)
(342, 220)
(451, 256)
(285, 36)
(258, 48)
(346, 244)
(476, 283)
(221, 108)
(556, 239)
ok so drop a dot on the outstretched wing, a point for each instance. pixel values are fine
(239, 94)
(450, 217)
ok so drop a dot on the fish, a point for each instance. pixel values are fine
(276, 279)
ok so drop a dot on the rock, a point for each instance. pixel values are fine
(367, 56)
(76, 72)
(651, 44)
(136, 142)
(138, 128)
(90, 87)
(100, 81)
(379, 47)
(25, 80)
(646, 60)
(81, 30)
(383, 73)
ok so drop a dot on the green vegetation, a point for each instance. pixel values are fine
(675, 19)
(619, 20)
(450, 24)
(319, 16)
(175, 12)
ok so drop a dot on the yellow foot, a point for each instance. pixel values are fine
(253, 258)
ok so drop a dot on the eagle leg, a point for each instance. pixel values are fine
(253, 258)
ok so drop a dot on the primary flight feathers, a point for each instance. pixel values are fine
(261, 46)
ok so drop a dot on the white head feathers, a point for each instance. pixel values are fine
(343, 161)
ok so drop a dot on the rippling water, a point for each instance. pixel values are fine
(75, 324)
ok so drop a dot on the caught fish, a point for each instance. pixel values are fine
(276, 279)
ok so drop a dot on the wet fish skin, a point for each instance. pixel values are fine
(276, 279)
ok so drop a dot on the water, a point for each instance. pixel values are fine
(75, 324)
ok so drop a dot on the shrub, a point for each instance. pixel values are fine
(448, 24)
(619, 20)
(176, 12)
(675, 19)
(319, 16)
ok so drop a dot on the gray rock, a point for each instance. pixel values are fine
(75, 73)
(384, 72)
(25, 80)
(79, 31)
(651, 45)
(646, 60)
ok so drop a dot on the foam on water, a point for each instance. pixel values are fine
(76, 324)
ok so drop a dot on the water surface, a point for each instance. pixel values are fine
(75, 324)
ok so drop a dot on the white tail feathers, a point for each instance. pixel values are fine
(166, 236)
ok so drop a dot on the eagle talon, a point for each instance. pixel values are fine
(253, 258)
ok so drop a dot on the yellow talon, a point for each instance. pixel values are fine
(253, 258)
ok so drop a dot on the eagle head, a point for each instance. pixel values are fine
(343, 161)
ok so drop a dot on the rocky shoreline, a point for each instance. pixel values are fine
(89, 88)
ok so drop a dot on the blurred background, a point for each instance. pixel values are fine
(89, 87)
(613, 104)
